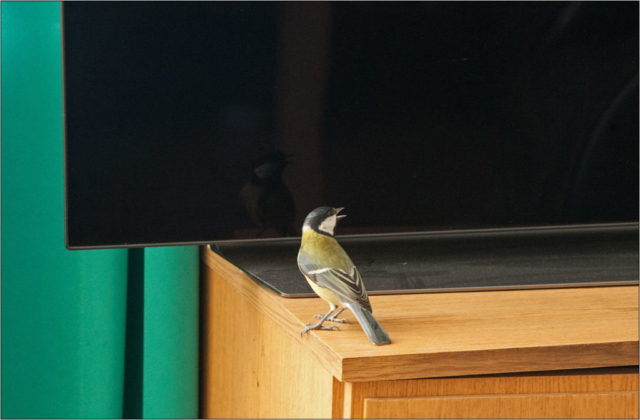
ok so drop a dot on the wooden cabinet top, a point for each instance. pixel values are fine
(463, 333)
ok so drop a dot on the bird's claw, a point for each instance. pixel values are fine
(311, 326)
(332, 319)
(343, 320)
(317, 327)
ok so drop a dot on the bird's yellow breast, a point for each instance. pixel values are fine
(325, 251)
(324, 293)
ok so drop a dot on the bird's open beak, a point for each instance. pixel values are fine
(338, 210)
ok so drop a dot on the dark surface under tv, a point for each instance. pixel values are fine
(415, 117)
(490, 259)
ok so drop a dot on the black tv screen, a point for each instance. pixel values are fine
(201, 122)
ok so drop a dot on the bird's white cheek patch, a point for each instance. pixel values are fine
(328, 225)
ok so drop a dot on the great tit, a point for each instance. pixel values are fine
(266, 198)
(333, 276)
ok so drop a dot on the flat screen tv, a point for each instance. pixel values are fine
(207, 122)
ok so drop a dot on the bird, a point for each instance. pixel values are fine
(266, 198)
(333, 276)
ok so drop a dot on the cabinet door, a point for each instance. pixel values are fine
(562, 405)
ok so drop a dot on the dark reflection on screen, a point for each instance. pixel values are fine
(207, 121)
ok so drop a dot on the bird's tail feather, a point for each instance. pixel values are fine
(371, 327)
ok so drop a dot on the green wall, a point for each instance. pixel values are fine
(64, 313)
(170, 382)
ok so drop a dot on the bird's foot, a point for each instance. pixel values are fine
(317, 326)
(332, 318)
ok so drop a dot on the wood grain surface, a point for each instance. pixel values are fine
(453, 334)
(251, 369)
(597, 405)
(383, 397)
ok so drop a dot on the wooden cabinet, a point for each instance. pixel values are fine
(555, 353)
(585, 393)
(596, 405)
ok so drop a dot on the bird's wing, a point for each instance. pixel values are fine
(348, 286)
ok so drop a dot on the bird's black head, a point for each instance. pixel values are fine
(269, 167)
(323, 220)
